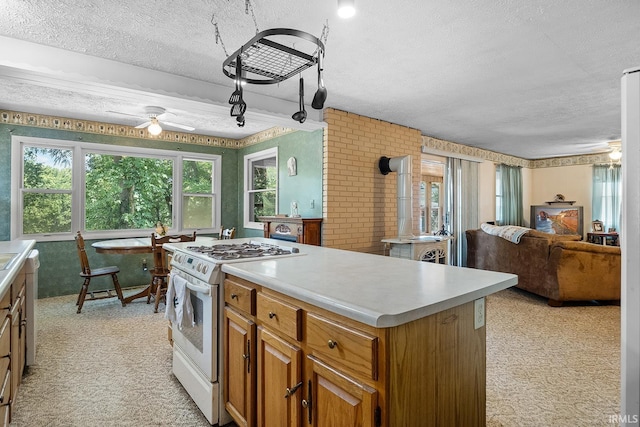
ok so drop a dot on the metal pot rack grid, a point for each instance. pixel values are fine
(271, 62)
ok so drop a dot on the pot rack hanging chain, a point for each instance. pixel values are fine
(248, 7)
(214, 22)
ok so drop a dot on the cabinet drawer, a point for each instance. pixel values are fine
(5, 338)
(354, 349)
(240, 296)
(5, 304)
(280, 316)
(5, 388)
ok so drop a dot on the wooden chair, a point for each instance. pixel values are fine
(227, 233)
(160, 270)
(88, 274)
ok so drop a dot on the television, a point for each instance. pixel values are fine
(557, 219)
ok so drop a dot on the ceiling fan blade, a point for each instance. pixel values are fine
(178, 125)
(143, 125)
(127, 114)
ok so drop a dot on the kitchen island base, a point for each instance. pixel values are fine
(334, 370)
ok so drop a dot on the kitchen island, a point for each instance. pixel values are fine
(14, 325)
(356, 339)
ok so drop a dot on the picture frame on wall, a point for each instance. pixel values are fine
(564, 220)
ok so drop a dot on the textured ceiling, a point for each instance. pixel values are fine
(529, 78)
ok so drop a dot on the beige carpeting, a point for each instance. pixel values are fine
(111, 366)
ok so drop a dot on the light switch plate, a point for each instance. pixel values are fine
(479, 313)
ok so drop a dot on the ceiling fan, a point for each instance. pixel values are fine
(155, 116)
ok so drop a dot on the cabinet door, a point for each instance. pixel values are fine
(240, 367)
(335, 399)
(16, 374)
(280, 385)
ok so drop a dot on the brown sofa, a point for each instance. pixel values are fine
(559, 268)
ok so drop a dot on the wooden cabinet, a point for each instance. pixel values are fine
(280, 385)
(336, 399)
(240, 367)
(300, 230)
(13, 325)
(335, 371)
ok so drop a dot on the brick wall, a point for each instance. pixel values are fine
(360, 206)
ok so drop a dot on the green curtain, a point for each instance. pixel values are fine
(511, 212)
(606, 203)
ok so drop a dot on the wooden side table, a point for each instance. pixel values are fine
(605, 239)
(300, 230)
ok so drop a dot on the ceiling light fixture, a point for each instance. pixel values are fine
(616, 154)
(346, 8)
(154, 128)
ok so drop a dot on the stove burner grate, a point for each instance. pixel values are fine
(238, 250)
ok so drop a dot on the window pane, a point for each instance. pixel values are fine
(263, 203)
(47, 168)
(435, 220)
(127, 192)
(197, 212)
(46, 213)
(264, 174)
(196, 176)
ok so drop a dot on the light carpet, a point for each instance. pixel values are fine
(112, 366)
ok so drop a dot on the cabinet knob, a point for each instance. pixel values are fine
(271, 315)
(332, 344)
(245, 356)
(234, 296)
(305, 404)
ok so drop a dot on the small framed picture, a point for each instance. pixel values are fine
(597, 226)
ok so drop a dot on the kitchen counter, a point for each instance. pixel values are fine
(376, 290)
(21, 249)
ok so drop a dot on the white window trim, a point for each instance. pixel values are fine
(248, 160)
(79, 149)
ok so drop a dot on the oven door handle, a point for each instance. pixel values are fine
(198, 288)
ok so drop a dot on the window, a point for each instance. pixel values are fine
(498, 196)
(607, 196)
(509, 210)
(434, 210)
(62, 186)
(260, 186)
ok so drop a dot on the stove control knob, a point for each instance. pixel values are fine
(204, 269)
(199, 267)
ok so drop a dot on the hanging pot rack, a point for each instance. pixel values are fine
(267, 61)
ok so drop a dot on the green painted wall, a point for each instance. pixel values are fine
(306, 147)
(59, 265)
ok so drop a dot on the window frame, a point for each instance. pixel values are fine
(248, 165)
(78, 191)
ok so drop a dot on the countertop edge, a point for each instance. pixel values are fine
(367, 317)
(9, 275)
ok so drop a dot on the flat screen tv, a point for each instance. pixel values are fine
(557, 219)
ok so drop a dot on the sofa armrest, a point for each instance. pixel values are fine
(585, 271)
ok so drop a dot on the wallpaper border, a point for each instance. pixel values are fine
(63, 123)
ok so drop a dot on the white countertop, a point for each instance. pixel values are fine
(373, 289)
(22, 249)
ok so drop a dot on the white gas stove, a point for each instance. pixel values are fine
(197, 355)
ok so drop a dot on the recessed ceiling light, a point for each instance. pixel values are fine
(346, 8)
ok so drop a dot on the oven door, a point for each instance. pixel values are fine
(199, 342)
